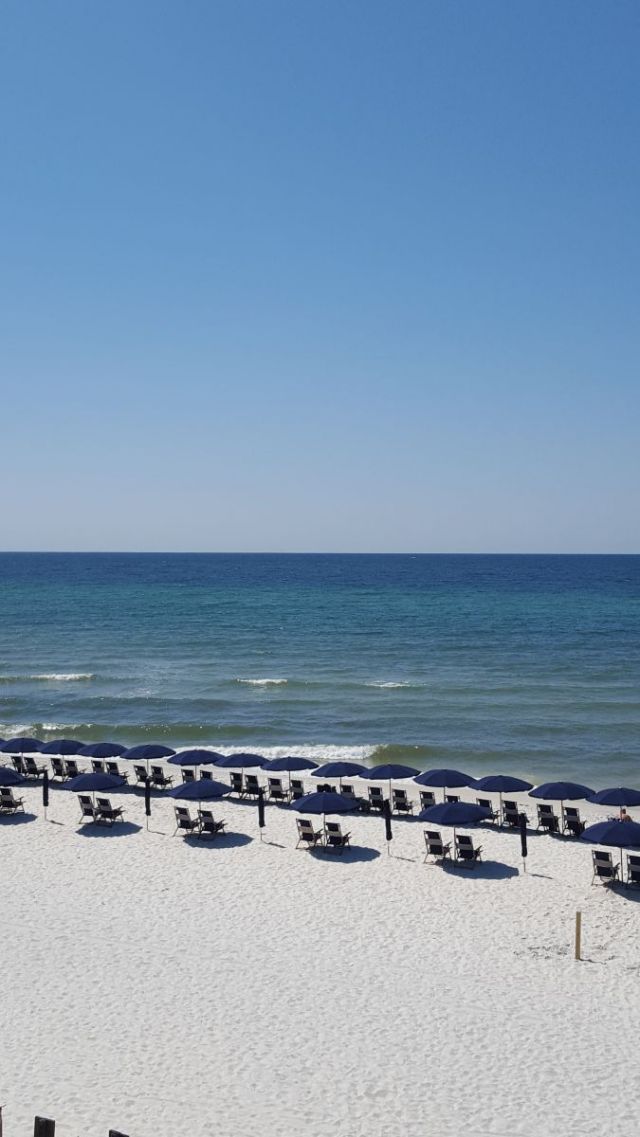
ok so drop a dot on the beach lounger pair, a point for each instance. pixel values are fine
(330, 837)
(465, 852)
(245, 785)
(102, 813)
(203, 825)
(9, 803)
(26, 766)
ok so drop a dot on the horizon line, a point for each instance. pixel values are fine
(300, 553)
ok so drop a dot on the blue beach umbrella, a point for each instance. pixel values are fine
(102, 750)
(501, 784)
(202, 789)
(323, 802)
(240, 761)
(391, 771)
(62, 747)
(456, 814)
(561, 791)
(289, 765)
(9, 777)
(23, 745)
(197, 756)
(617, 795)
(339, 770)
(92, 783)
(446, 779)
(147, 752)
(615, 834)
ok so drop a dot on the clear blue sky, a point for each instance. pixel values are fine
(320, 275)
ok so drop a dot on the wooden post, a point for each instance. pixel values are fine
(578, 935)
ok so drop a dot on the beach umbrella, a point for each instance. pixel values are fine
(446, 779)
(94, 783)
(615, 834)
(617, 795)
(147, 752)
(63, 747)
(22, 745)
(202, 789)
(240, 761)
(325, 801)
(456, 814)
(195, 757)
(289, 764)
(561, 791)
(339, 770)
(102, 750)
(501, 784)
(9, 777)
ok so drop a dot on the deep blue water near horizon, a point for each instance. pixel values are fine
(529, 664)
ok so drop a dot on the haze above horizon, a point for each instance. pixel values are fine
(354, 277)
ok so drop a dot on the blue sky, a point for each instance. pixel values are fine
(320, 275)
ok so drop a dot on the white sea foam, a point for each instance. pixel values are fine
(264, 682)
(64, 676)
(389, 686)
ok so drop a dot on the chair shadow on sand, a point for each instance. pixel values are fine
(17, 818)
(120, 829)
(221, 841)
(482, 870)
(349, 856)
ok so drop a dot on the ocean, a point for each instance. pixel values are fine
(522, 664)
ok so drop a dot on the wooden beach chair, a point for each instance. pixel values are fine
(571, 822)
(604, 869)
(9, 803)
(209, 827)
(184, 821)
(334, 838)
(435, 846)
(159, 779)
(400, 802)
(276, 790)
(633, 870)
(547, 819)
(466, 854)
(88, 811)
(376, 798)
(307, 835)
(427, 799)
(31, 770)
(108, 813)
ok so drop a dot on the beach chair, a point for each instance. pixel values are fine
(604, 869)
(206, 775)
(30, 768)
(58, 770)
(334, 838)
(485, 803)
(307, 835)
(466, 854)
(435, 846)
(209, 827)
(188, 776)
(185, 821)
(106, 812)
(251, 785)
(633, 870)
(159, 779)
(452, 799)
(400, 802)
(9, 803)
(427, 799)
(325, 788)
(71, 767)
(141, 775)
(276, 791)
(511, 814)
(297, 789)
(376, 798)
(547, 819)
(115, 771)
(237, 784)
(18, 764)
(97, 765)
(88, 810)
(571, 822)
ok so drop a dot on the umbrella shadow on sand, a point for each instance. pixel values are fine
(482, 870)
(222, 841)
(348, 856)
(120, 829)
(18, 819)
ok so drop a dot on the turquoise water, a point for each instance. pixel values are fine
(488, 663)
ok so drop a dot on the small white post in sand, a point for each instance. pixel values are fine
(578, 935)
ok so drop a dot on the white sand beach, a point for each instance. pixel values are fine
(164, 987)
